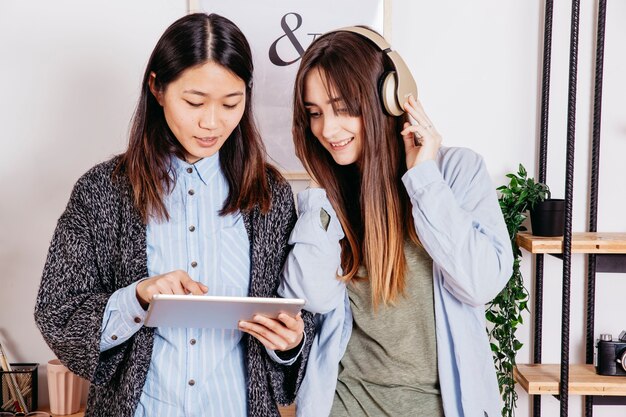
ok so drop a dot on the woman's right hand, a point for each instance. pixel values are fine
(421, 140)
(174, 282)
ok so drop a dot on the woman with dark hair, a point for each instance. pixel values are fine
(191, 207)
(398, 245)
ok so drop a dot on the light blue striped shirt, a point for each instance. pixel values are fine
(193, 372)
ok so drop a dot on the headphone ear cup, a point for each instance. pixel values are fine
(387, 88)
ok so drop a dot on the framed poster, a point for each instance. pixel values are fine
(279, 31)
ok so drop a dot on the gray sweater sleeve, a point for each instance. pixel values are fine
(74, 289)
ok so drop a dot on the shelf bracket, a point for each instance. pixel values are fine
(614, 263)
(608, 400)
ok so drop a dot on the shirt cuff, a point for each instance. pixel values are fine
(122, 318)
(420, 176)
(129, 303)
(287, 362)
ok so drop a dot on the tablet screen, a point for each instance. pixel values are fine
(217, 312)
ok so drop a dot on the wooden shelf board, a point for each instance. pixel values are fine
(289, 411)
(296, 176)
(80, 413)
(582, 242)
(544, 379)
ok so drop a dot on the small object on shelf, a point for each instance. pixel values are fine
(547, 217)
(24, 375)
(612, 355)
(64, 388)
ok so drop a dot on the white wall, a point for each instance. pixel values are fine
(70, 78)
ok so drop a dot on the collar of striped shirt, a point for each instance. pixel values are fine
(205, 168)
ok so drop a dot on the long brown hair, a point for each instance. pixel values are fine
(370, 200)
(190, 41)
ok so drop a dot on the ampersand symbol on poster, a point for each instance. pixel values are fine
(289, 34)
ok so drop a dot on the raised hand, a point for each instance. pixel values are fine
(421, 140)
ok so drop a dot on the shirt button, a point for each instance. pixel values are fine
(192, 228)
(192, 382)
(191, 192)
(190, 170)
(114, 337)
(137, 320)
(192, 341)
(194, 264)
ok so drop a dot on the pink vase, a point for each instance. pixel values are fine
(64, 388)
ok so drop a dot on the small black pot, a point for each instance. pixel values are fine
(547, 218)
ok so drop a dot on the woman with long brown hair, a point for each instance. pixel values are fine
(191, 207)
(399, 244)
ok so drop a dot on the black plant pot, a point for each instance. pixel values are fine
(547, 218)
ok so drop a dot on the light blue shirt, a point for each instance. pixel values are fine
(193, 372)
(460, 224)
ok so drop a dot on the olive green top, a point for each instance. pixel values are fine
(390, 365)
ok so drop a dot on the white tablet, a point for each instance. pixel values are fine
(217, 312)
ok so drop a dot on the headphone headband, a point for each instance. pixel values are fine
(370, 34)
(396, 85)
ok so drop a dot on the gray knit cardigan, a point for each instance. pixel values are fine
(99, 246)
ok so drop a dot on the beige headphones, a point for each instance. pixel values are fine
(394, 86)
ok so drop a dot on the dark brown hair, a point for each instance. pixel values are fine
(371, 203)
(190, 41)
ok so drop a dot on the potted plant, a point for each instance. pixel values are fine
(504, 313)
(547, 215)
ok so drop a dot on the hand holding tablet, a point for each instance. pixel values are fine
(280, 334)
